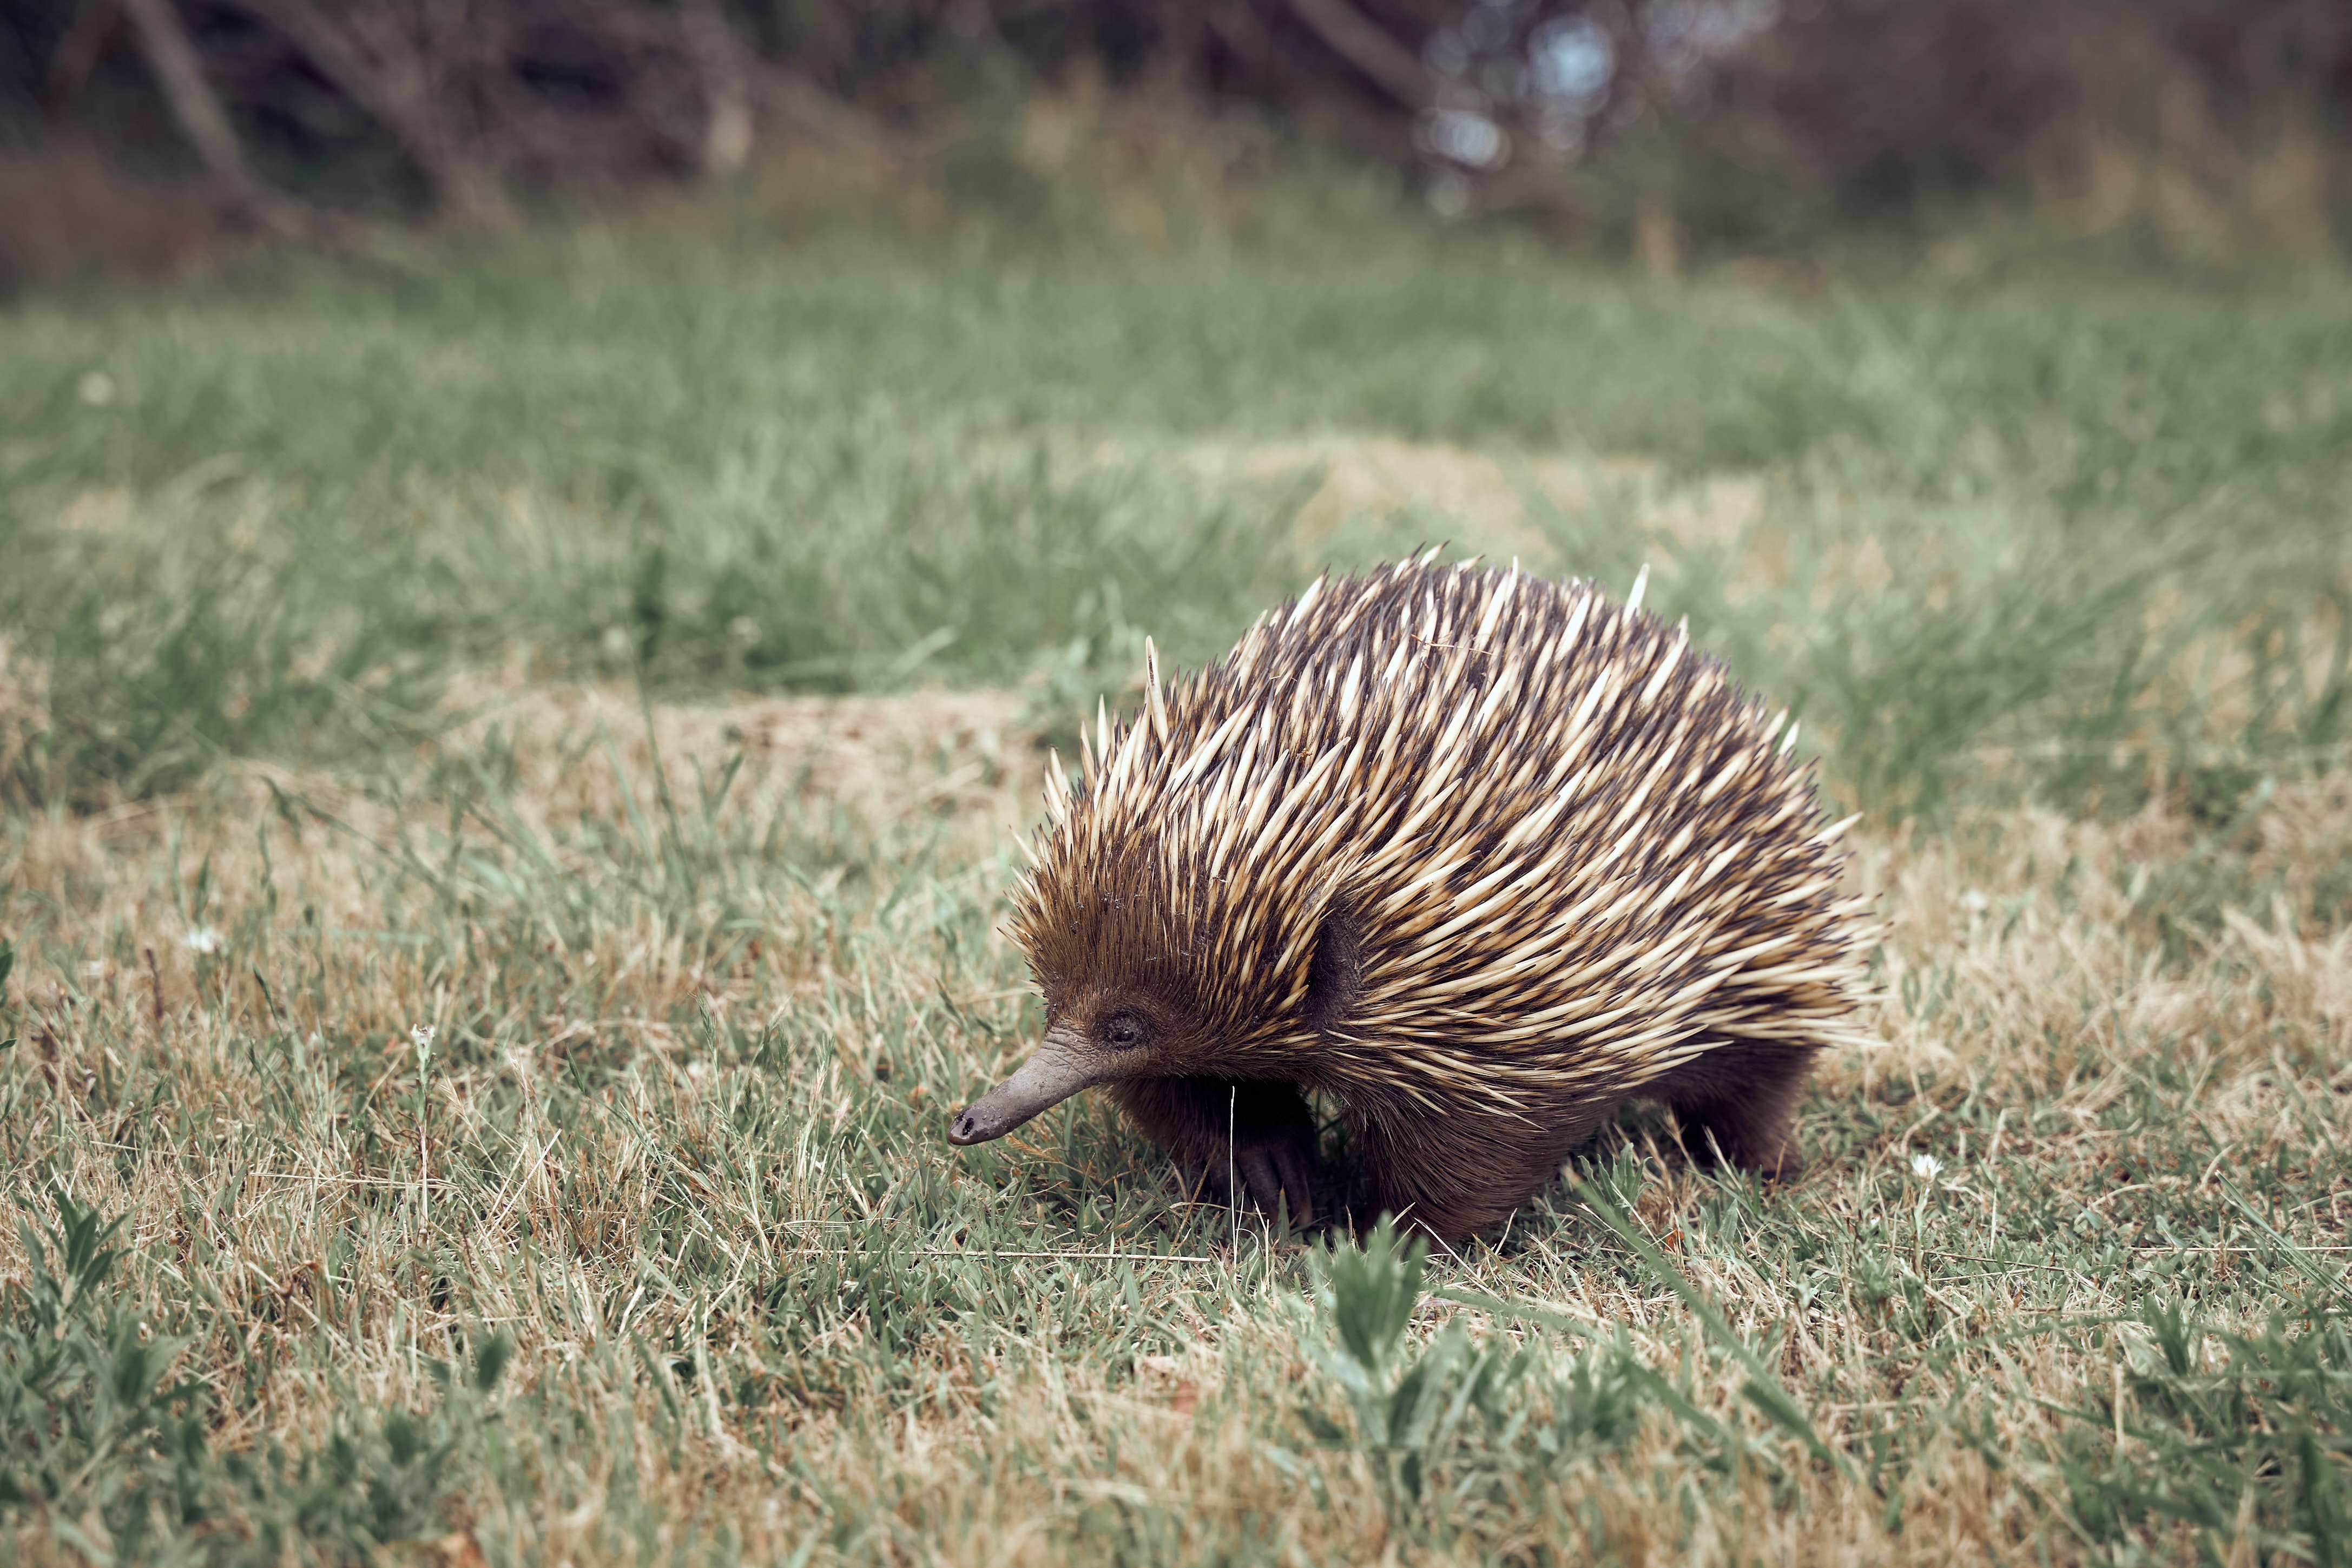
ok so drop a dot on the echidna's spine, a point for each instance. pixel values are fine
(1581, 857)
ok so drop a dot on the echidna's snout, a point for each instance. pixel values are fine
(1060, 1069)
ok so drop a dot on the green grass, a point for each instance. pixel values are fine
(660, 1254)
(839, 470)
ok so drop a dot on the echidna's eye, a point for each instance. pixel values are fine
(1123, 1031)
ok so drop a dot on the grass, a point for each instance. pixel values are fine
(835, 469)
(625, 662)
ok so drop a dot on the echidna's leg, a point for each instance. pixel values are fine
(1455, 1173)
(1741, 1097)
(1260, 1131)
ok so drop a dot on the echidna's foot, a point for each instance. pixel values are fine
(1276, 1178)
(1738, 1102)
(1451, 1177)
(1247, 1141)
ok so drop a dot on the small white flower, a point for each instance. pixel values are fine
(1976, 903)
(204, 939)
(94, 969)
(423, 1035)
(1926, 1167)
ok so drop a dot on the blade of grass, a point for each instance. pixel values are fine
(1762, 1389)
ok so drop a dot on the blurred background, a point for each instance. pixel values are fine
(140, 134)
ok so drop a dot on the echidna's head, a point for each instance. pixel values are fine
(1141, 981)
(1130, 990)
(1160, 949)
(1100, 1027)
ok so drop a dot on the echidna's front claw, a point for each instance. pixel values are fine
(1273, 1177)
(1298, 1177)
(1260, 1180)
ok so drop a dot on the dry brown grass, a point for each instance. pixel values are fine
(610, 1162)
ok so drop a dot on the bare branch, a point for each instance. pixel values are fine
(726, 90)
(197, 110)
(372, 63)
(1238, 28)
(797, 97)
(78, 47)
(1355, 38)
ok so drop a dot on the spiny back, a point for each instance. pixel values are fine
(1556, 850)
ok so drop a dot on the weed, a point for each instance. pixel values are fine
(1412, 1407)
(2234, 1436)
(90, 1423)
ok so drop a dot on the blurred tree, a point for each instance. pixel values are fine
(1655, 106)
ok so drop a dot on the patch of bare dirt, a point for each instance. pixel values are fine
(883, 757)
(1487, 504)
(948, 774)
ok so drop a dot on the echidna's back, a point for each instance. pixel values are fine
(1477, 852)
(1575, 854)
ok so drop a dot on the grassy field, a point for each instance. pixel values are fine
(509, 777)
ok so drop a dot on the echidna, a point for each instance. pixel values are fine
(1475, 855)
